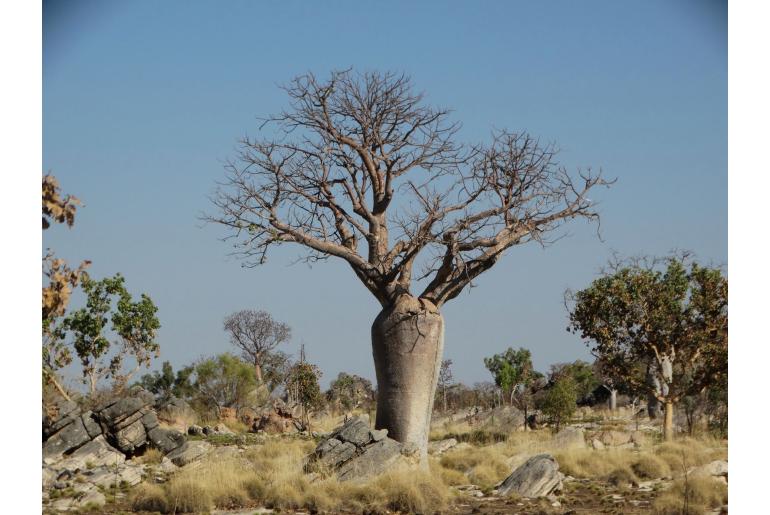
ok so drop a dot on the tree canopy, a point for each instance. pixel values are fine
(361, 169)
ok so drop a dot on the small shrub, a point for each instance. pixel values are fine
(621, 477)
(649, 466)
(149, 497)
(187, 496)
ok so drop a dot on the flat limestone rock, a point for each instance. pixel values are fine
(71, 436)
(376, 459)
(95, 453)
(356, 431)
(132, 437)
(537, 477)
(189, 452)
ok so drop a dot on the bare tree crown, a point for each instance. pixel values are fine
(359, 168)
(255, 333)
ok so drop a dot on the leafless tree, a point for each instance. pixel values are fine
(360, 168)
(256, 334)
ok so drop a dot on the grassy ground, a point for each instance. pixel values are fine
(268, 473)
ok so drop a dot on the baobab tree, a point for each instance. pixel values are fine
(360, 168)
(256, 334)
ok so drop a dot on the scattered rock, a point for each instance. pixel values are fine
(194, 430)
(597, 444)
(537, 477)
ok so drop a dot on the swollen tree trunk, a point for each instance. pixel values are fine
(613, 399)
(407, 343)
(668, 422)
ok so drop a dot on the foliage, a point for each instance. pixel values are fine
(515, 375)
(660, 329)
(165, 383)
(223, 381)
(275, 368)
(61, 280)
(302, 385)
(560, 401)
(256, 334)
(350, 391)
(581, 373)
(134, 323)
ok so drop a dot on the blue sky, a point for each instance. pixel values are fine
(142, 101)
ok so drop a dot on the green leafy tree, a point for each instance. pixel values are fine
(582, 374)
(222, 381)
(660, 325)
(133, 322)
(302, 385)
(165, 383)
(516, 377)
(350, 391)
(560, 401)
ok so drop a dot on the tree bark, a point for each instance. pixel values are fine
(668, 422)
(258, 372)
(613, 399)
(407, 343)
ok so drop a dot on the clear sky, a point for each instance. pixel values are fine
(143, 100)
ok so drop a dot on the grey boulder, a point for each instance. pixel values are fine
(537, 477)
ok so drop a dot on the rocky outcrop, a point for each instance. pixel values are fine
(354, 451)
(87, 451)
(539, 476)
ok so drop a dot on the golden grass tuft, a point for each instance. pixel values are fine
(149, 497)
(186, 495)
(151, 456)
(692, 497)
(622, 477)
(650, 466)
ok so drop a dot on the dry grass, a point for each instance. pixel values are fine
(151, 456)
(692, 497)
(691, 452)
(271, 475)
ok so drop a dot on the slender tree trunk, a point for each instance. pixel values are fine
(668, 422)
(52, 378)
(407, 343)
(444, 399)
(93, 380)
